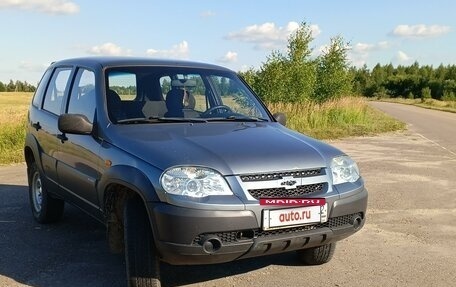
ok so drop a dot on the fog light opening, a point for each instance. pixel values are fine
(245, 235)
(211, 244)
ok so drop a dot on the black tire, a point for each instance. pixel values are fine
(45, 209)
(317, 255)
(142, 262)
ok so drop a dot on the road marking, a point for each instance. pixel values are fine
(437, 144)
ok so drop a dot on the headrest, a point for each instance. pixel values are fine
(183, 83)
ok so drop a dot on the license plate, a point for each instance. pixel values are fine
(280, 218)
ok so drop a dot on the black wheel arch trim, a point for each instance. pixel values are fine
(32, 144)
(129, 177)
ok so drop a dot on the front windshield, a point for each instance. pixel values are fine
(152, 93)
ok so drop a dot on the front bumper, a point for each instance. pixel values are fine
(188, 236)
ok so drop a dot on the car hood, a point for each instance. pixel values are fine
(230, 148)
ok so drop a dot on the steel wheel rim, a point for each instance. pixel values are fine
(37, 192)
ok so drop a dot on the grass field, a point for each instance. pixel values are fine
(342, 118)
(13, 107)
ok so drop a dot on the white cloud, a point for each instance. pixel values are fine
(420, 31)
(245, 68)
(179, 51)
(359, 53)
(229, 57)
(207, 14)
(402, 57)
(109, 49)
(44, 6)
(268, 35)
(362, 48)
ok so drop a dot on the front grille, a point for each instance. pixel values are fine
(232, 237)
(280, 175)
(300, 190)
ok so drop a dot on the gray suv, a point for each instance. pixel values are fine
(184, 164)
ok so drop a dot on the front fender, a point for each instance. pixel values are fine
(129, 177)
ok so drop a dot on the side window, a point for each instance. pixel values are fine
(124, 84)
(82, 98)
(39, 93)
(56, 90)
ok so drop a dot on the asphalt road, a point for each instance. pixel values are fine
(436, 126)
(409, 238)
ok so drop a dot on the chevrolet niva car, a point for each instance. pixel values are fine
(184, 164)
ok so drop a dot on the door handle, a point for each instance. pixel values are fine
(36, 125)
(62, 137)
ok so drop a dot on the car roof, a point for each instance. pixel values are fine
(105, 62)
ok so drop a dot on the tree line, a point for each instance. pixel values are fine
(297, 76)
(17, 86)
(411, 82)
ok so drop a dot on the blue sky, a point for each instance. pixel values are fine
(236, 34)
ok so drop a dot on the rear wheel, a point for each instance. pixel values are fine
(45, 209)
(317, 255)
(143, 264)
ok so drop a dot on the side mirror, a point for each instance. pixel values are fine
(75, 124)
(281, 118)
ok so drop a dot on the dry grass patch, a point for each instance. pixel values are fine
(345, 117)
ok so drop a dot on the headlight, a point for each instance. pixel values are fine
(344, 169)
(194, 182)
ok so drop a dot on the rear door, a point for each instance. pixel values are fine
(46, 108)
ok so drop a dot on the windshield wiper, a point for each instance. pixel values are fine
(152, 120)
(134, 121)
(178, 120)
(239, 119)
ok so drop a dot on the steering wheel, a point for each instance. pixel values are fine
(221, 109)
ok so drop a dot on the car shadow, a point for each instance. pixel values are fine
(74, 251)
(183, 275)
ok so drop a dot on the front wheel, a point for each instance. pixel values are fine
(45, 209)
(143, 264)
(317, 255)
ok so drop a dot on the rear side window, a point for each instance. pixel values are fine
(56, 90)
(39, 93)
(82, 98)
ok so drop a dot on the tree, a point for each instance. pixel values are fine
(289, 77)
(2, 87)
(333, 77)
(425, 94)
(361, 79)
(11, 87)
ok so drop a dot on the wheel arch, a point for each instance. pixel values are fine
(31, 151)
(117, 185)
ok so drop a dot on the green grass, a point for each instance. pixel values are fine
(447, 106)
(345, 117)
(12, 126)
(336, 119)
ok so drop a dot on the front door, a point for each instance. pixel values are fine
(78, 160)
